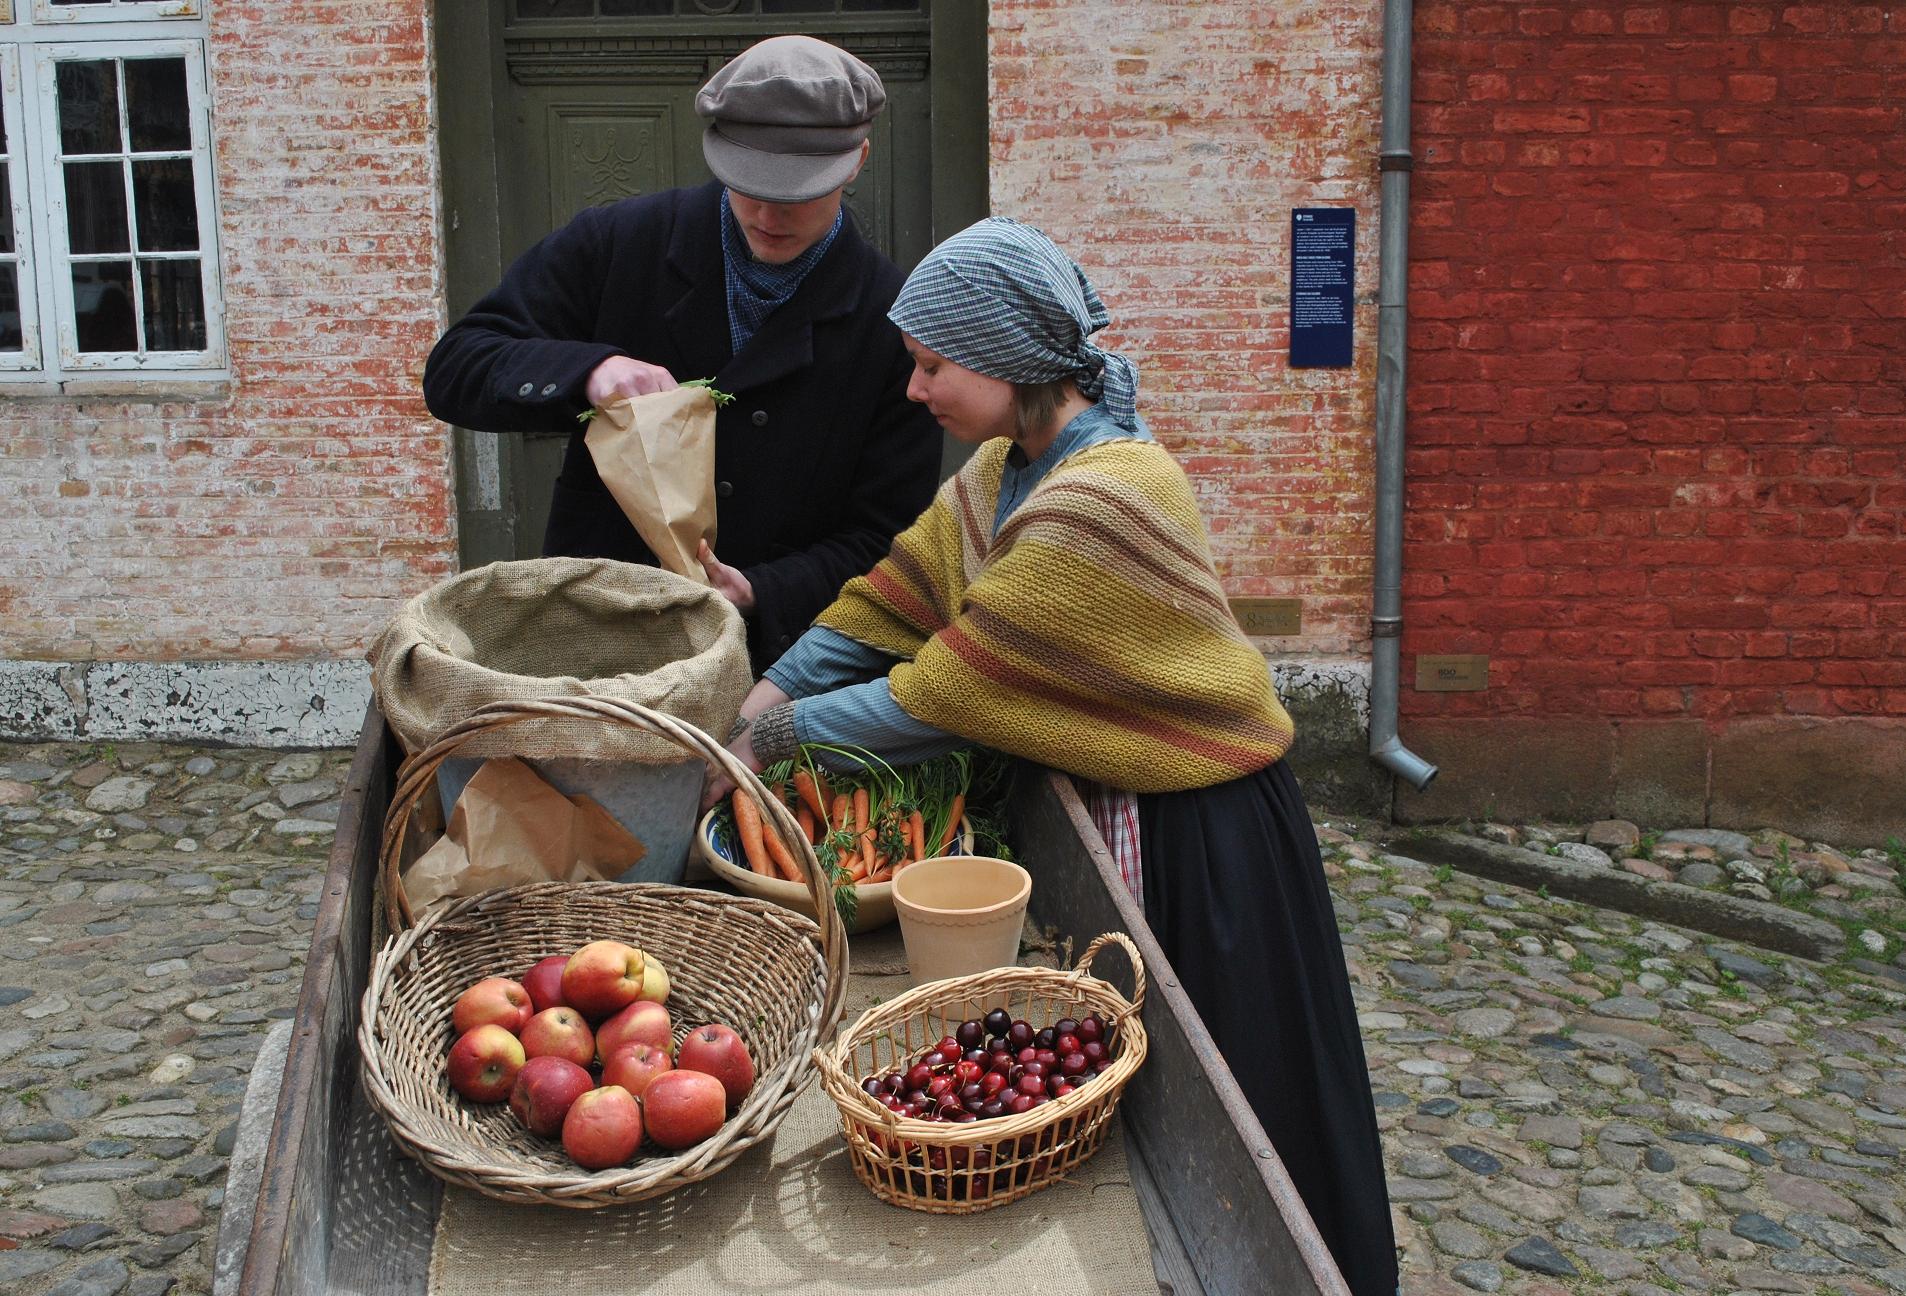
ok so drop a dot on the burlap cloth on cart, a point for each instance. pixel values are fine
(791, 1218)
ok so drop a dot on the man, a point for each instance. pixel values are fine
(758, 280)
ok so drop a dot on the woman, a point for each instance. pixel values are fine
(1058, 601)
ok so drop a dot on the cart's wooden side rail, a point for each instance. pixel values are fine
(1238, 1216)
(288, 1251)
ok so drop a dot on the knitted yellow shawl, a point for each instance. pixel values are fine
(1091, 636)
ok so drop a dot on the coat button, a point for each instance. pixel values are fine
(549, 389)
(760, 418)
(526, 389)
(724, 489)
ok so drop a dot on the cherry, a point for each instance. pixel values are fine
(976, 1055)
(895, 1082)
(970, 1034)
(874, 1086)
(1032, 1084)
(1061, 1089)
(1073, 1064)
(939, 1085)
(935, 1059)
(1101, 1065)
(1065, 1026)
(1019, 1035)
(967, 1072)
(950, 1048)
(970, 1092)
(991, 1083)
(1053, 1082)
(963, 1118)
(1021, 1104)
(992, 1107)
(1026, 1055)
(918, 1074)
(1034, 1068)
(1044, 1038)
(1001, 1064)
(1094, 1051)
(1090, 1028)
(1066, 1043)
(998, 1020)
(1047, 1056)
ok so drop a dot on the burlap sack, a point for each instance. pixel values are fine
(560, 627)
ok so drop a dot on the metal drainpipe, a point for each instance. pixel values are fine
(1386, 612)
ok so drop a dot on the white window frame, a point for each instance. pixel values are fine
(32, 47)
(25, 279)
(46, 11)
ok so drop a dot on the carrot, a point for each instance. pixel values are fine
(748, 827)
(837, 816)
(804, 817)
(865, 823)
(810, 793)
(782, 859)
(917, 834)
(953, 813)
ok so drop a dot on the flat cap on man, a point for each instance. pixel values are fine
(786, 118)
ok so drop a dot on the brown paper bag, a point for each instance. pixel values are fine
(510, 828)
(656, 454)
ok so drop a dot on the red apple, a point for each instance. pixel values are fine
(718, 1051)
(544, 1090)
(560, 1032)
(603, 1128)
(545, 983)
(641, 1022)
(684, 1107)
(634, 1065)
(602, 978)
(484, 1063)
(493, 1001)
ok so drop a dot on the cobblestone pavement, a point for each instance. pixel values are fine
(1572, 1099)
(155, 906)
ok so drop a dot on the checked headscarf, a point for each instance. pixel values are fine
(1001, 299)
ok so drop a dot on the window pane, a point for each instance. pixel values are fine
(162, 203)
(796, 6)
(59, 3)
(102, 299)
(10, 339)
(96, 208)
(89, 107)
(6, 212)
(156, 109)
(175, 305)
(636, 8)
(555, 8)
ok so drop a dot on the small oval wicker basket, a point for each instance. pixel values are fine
(958, 1169)
(776, 976)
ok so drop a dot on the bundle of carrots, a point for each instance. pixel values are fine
(866, 830)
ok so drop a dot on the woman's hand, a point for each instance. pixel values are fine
(728, 581)
(763, 695)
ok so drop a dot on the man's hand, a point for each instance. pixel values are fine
(620, 376)
(765, 693)
(728, 581)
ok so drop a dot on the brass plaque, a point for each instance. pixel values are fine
(1455, 673)
(1269, 617)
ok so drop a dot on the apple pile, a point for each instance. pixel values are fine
(533, 1043)
(995, 1066)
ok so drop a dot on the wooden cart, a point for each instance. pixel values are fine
(338, 1213)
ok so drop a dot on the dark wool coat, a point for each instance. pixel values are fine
(819, 460)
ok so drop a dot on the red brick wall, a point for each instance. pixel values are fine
(1657, 460)
(283, 517)
(1163, 146)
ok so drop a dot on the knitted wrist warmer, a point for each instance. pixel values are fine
(774, 738)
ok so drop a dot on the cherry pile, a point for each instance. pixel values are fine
(997, 1066)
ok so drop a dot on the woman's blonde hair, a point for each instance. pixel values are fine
(1034, 404)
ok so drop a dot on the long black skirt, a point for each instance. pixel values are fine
(1235, 894)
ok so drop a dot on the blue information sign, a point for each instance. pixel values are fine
(1323, 284)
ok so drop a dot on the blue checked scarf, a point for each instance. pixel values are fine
(1001, 299)
(755, 288)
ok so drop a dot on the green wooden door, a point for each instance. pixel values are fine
(591, 101)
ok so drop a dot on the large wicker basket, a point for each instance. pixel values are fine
(777, 977)
(950, 1169)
